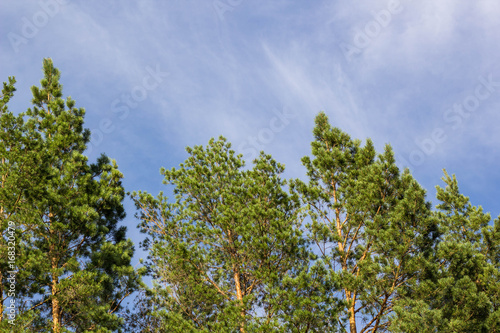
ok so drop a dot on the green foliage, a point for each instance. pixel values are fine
(460, 292)
(76, 262)
(222, 253)
(371, 224)
(373, 256)
(355, 248)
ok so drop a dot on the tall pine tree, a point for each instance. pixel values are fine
(224, 251)
(77, 257)
(370, 223)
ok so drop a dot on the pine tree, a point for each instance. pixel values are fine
(222, 252)
(461, 289)
(77, 257)
(371, 224)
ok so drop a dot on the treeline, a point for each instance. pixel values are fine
(355, 248)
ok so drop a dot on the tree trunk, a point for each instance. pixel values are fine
(352, 318)
(239, 296)
(56, 307)
(348, 294)
(1, 295)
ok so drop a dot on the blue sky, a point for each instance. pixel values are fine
(157, 76)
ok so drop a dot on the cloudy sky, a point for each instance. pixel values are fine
(157, 76)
